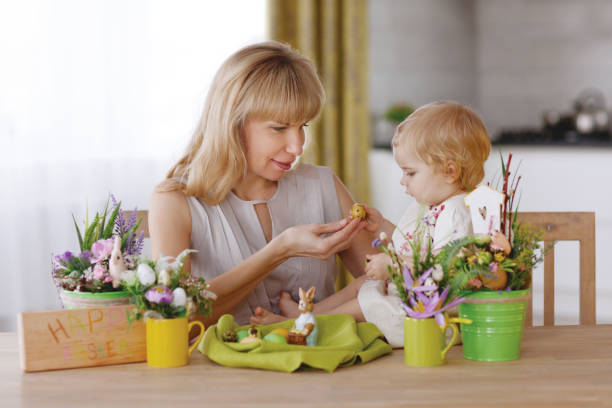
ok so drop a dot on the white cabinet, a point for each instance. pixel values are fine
(554, 179)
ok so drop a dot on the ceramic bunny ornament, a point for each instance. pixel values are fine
(306, 323)
(116, 267)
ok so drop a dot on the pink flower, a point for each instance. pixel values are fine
(159, 294)
(475, 282)
(101, 250)
(98, 272)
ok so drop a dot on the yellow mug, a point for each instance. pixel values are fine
(424, 341)
(168, 342)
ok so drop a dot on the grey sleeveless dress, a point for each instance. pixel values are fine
(228, 233)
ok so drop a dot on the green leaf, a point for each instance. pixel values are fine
(89, 233)
(108, 231)
(103, 223)
(502, 163)
(78, 233)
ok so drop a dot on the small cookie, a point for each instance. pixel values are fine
(358, 211)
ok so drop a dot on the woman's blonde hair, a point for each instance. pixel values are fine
(265, 81)
(443, 132)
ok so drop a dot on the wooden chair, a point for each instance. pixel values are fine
(566, 226)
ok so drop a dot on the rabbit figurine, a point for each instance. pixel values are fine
(116, 267)
(306, 323)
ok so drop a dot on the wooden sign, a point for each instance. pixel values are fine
(72, 338)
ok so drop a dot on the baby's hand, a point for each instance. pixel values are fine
(376, 268)
(374, 219)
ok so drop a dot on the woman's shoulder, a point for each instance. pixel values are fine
(169, 205)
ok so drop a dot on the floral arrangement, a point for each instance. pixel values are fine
(502, 260)
(421, 282)
(163, 289)
(88, 271)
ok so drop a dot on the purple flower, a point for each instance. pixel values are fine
(432, 307)
(85, 256)
(64, 258)
(101, 249)
(159, 294)
(132, 220)
(418, 286)
(376, 243)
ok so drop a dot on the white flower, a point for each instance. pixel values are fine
(129, 277)
(145, 274)
(179, 297)
(383, 236)
(438, 273)
(429, 282)
(391, 248)
(164, 277)
(207, 294)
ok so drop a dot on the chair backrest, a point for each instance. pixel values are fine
(144, 224)
(566, 226)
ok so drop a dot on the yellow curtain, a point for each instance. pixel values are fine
(334, 34)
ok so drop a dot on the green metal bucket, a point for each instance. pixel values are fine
(497, 325)
(80, 300)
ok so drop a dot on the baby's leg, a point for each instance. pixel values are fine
(351, 308)
(290, 309)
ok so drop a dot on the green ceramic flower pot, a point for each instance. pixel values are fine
(497, 325)
(80, 300)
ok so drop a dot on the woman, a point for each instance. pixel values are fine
(261, 226)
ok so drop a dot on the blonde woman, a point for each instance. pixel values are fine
(261, 223)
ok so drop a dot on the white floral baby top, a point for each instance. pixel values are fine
(443, 223)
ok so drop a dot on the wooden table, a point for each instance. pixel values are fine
(559, 366)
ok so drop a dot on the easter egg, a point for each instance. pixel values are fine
(495, 280)
(241, 334)
(275, 338)
(249, 339)
(282, 332)
(358, 211)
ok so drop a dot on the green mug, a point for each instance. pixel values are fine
(424, 341)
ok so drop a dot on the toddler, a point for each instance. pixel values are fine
(441, 149)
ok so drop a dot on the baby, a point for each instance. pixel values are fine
(441, 149)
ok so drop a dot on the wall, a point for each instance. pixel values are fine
(510, 60)
(538, 55)
(412, 57)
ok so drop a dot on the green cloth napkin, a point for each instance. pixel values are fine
(342, 342)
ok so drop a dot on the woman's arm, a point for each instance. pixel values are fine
(170, 228)
(354, 256)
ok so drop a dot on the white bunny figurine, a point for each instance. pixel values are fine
(116, 267)
(306, 323)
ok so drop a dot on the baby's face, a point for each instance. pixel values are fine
(422, 181)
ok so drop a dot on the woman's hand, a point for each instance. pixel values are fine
(374, 219)
(376, 268)
(307, 240)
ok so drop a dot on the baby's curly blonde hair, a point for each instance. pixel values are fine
(443, 132)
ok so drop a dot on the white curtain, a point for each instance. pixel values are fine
(96, 97)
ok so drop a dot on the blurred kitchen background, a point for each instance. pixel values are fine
(101, 96)
(539, 72)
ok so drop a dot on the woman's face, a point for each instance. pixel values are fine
(272, 147)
